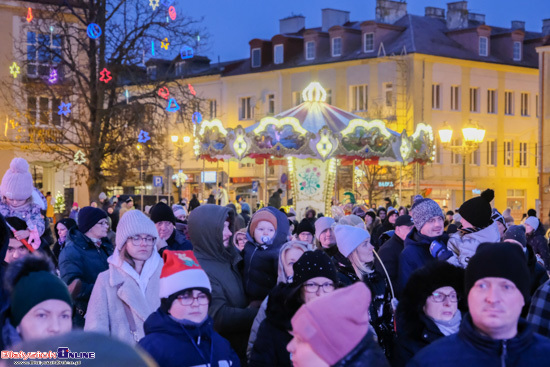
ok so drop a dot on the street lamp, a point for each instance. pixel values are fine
(180, 144)
(140, 150)
(472, 135)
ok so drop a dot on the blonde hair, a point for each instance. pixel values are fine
(361, 268)
(299, 245)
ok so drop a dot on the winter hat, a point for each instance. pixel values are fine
(305, 226)
(477, 211)
(17, 181)
(262, 215)
(404, 220)
(381, 209)
(245, 208)
(314, 264)
(181, 271)
(132, 223)
(102, 196)
(334, 324)
(499, 260)
(352, 220)
(359, 211)
(516, 233)
(424, 209)
(88, 217)
(179, 212)
(322, 224)
(161, 212)
(497, 217)
(67, 222)
(391, 211)
(533, 222)
(348, 238)
(371, 214)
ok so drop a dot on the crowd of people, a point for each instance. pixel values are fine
(217, 285)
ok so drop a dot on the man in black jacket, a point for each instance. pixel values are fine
(165, 221)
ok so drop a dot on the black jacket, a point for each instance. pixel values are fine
(538, 276)
(366, 353)
(538, 241)
(389, 253)
(194, 203)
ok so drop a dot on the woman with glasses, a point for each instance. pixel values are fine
(314, 276)
(429, 309)
(126, 294)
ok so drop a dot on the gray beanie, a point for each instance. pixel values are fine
(322, 224)
(424, 209)
(516, 233)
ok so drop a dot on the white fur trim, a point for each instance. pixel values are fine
(190, 278)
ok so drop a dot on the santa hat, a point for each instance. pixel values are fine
(181, 271)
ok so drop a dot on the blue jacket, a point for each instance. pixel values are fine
(261, 262)
(472, 349)
(178, 242)
(171, 343)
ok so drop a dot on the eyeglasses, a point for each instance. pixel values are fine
(137, 240)
(441, 297)
(187, 299)
(103, 223)
(314, 287)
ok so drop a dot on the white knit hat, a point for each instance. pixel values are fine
(181, 271)
(131, 223)
(321, 225)
(17, 182)
(348, 238)
(533, 222)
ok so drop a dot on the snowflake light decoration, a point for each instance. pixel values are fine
(64, 109)
(164, 43)
(105, 75)
(53, 76)
(154, 4)
(15, 69)
(143, 137)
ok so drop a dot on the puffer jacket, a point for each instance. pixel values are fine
(366, 353)
(464, 246)
(538, 242)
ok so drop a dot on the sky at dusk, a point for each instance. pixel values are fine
(233, 23)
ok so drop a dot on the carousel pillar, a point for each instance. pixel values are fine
(265, 182)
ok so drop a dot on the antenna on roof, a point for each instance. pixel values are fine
(381, 50)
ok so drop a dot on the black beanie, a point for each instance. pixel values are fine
(305, 226)
(499, 260)
(161, 212)
(516, 233)
(313, 264)
(477, 211)
(88, 217)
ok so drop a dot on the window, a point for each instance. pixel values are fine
(310, 50)
(436, 96)
(297, 98)
(271, 104)
(179, 68)
(508, 103)
(475, 157)
(329, 96)
(517, 51)
(455, 98)
(245, 110)
(491, 153)
(256, 57)
(278, 57)
(474, 99)
(437, 152)
(43, 53)
(491, 101)
(523, 162)
(525, 104)
(213, 108)
(369, 42)
(337, 46)
(483, 46)
(508, 153)
(359, 97)
(43, 111)
(152, 72)
(388, 94)
(456, 158)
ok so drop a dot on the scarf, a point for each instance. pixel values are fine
(451, 326)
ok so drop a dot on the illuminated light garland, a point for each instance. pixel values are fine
(79, 157)
(173, 106)
(292, 121)
(324, 146)
(93, 31)
(15, 69)
(353, 124)
(164, 92)
(180, 178)
(186, 52)
(422, 127)
(143, 137)
(314, 92)
(64, 109)
(196, 118)
(192, 90)
(105, 75)
(164, 43)
(29, 15)
(154, 4)
(153, 48)
(53, 76)
(211, 124)
(172, 12)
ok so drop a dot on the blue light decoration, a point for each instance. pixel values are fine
(153, 48)
(196, 118)
(186, 52)
(143, 137)
(173, 106)
(94, 31)
(64, 109)
(167, 3)
(53, 76)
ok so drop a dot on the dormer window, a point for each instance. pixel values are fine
(256, 57)
(337, 46)
(152, 72)
(483, 46)
(278, 54)
(369, 42)
(310, 50)
(517, 51)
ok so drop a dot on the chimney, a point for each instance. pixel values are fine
(432, 12)
(457, 15)
(388, 11)
(546, 27)
(292, 24)
(476, 19)
(518, 24)
(332, 17)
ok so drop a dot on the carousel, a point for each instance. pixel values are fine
(314, 137)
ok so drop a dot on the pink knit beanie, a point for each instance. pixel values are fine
(17, 181)
(334, 324)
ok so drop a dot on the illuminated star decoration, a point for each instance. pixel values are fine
(143, 137)
(93, 31)
(173, 106)
(53, 76)
(154, 4)
(64, 109)
(15, 69)
(172, 12)
(105, 75)
(29, 15)
(164, 92)
(79, 157)
(196, 118)
(192, 90)
(164, 43)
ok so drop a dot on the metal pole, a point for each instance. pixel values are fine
(463, 178)
(400, 182)
(265, 181)
(141, 176)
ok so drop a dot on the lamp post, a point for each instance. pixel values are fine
(472, 137)
(139, 148)
(180, 144)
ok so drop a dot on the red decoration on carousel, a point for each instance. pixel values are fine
(172, 12)
(164, 92)
(29, 15)
(192, 90)
(105, 76)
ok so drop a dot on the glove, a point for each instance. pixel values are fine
(440, 251)
(34, 239)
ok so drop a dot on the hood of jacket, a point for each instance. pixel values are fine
(487, 234)
(161, 322)
(283, 226)
(205, 226)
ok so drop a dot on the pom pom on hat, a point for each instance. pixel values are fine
(181, 271)
(488, 195)
(477, 211)
(17, 182)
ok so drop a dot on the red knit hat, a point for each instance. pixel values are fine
(181, 271)
(334, 324)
